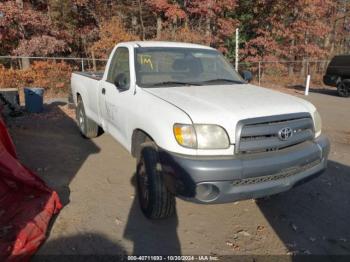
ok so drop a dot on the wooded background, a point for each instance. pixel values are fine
(296, 31)
(270, 29)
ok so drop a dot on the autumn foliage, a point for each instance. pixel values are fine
(27, 31)
(111, 32)
(270, 30)
(49, 75)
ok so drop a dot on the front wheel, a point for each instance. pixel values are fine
(343, 88)
(156, 201)
(88, 128)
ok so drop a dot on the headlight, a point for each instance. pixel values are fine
(211, 137)
(201, 136)
(317, 123)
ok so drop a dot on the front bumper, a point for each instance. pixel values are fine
(231, 178)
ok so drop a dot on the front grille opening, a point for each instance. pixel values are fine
(275, 122)
(272, 149)
(263, 136)
(249, 138)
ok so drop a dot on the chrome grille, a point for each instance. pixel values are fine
(262, 134)
(277, 176)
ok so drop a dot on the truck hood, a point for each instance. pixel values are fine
(225, 105)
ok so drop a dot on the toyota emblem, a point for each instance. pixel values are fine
(285, 133)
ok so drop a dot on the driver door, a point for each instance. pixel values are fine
(115, 101)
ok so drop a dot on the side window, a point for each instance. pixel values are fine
(119, 65)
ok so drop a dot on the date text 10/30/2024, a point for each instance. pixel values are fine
(173, 258)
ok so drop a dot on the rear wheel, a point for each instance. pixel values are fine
(343, 88)
(156, 201)
(88, 128)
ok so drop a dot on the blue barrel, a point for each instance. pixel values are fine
(34, 99)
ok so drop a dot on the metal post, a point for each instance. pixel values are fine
(259, 76)
(237, 45)
(307, 85)
(82, 65)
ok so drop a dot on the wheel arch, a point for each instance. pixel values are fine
(346, 80)
(78, 95)
(138, 137)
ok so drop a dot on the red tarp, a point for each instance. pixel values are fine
(26, 204)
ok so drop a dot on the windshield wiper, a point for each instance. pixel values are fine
(169, 83)
(223, 80)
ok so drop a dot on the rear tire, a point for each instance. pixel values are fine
(343, 88)
(88, 128)
(156, 201)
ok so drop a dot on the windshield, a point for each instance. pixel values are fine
(159, 66)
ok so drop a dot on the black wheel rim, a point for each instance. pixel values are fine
(343, 89)
(143, 185)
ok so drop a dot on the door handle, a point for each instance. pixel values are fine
(103, 91)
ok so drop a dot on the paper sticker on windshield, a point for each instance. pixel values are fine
(147, 60)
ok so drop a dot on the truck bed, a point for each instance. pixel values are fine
(87, 84)
(93, 75)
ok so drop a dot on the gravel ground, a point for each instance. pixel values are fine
(95, 180)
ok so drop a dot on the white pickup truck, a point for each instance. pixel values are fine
(199, 131)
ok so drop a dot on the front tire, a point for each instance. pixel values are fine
(343, 88)
(88, 128)
(156, 201)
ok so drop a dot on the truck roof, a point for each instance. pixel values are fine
(166, 44)
(340, 60)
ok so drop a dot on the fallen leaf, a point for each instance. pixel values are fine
(242, 232)
(229, 243)
(118, 221)
(260, 228)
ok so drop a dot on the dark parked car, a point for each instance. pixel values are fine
(338, 74)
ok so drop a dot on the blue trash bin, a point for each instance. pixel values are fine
(34, 99)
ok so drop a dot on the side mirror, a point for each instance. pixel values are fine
(247, 75)
(121, 82)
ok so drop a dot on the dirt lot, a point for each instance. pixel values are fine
(101, 216)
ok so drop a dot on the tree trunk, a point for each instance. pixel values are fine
(25, 63)
(174, 27)
(208, 29)
(186, 23)
(334, 37)
(93, 61)
(303, 67)
(291, 68)
(291, 64)
(134, 24)
(159, 27)
(141, 21)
